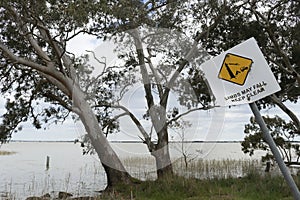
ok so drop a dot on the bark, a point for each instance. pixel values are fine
(163, 163)
(162, 156)
(115, 171)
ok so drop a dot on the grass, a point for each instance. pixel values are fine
(207, 179)
(252, 186)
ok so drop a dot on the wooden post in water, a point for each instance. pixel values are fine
(47, 162)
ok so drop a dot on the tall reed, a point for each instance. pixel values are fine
(144, 168)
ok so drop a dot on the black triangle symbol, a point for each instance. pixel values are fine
(229, 71)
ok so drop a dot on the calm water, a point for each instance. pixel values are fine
(24, 173)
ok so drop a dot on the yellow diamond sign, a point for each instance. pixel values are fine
(235, 68)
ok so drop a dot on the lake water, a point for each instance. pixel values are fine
(24, 173)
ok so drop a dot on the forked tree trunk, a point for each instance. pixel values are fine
(157, 113)
(115, 171)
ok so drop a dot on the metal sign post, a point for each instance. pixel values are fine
(268, 138)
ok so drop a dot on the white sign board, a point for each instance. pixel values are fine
(240, 75)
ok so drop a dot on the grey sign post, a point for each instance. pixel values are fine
(268, 138)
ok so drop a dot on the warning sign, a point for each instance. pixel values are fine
(235, 68)
(240, 75)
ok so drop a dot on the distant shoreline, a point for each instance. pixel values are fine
(124, 141)
(130, 141)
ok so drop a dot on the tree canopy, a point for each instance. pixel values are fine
(275, 25)
(35, 66)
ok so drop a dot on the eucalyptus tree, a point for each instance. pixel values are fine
(162, 40)
(37, 68)
(275, 26)
(284, 135)
(280, 23)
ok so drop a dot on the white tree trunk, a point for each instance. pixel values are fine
(113, 167)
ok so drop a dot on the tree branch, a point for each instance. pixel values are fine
(273, 39)
(52, 42)
(187, 112)
(50, 73)
(147, 138)
(58, 99)
(155, 74)
(145, 76)
(286, 110)
(183, 62)
(29, 36)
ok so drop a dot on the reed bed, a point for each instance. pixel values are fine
(144, 168)
(211, 169)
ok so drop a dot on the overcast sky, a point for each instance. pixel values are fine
(215, 124)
